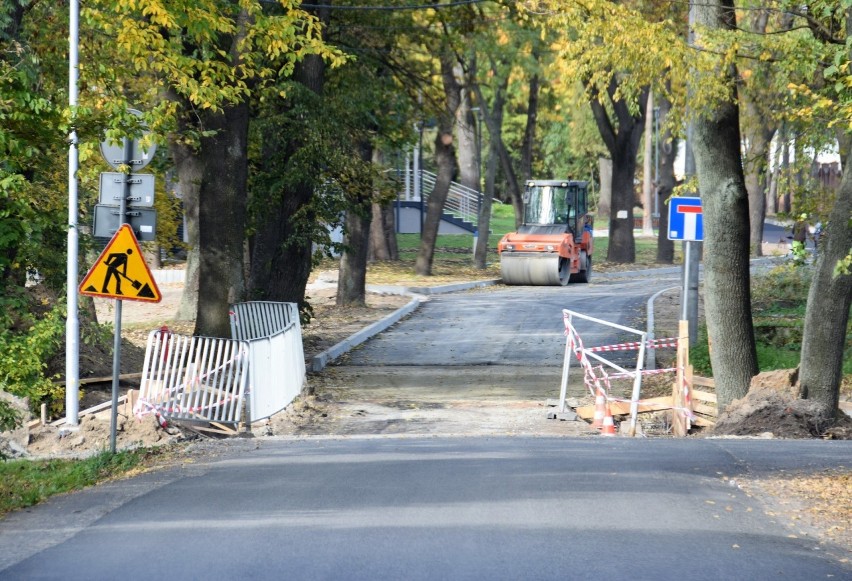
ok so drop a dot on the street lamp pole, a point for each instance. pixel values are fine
(72, 321)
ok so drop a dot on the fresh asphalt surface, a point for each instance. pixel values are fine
(435, 508)
(444, 508)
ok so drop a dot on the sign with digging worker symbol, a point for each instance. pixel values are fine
(121, 272)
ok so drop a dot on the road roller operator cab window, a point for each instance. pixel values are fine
(547, 205)
(554, 203)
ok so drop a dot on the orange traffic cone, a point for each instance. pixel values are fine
(608, 427)
(600, 408)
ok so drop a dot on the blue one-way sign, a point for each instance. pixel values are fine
(686, 219)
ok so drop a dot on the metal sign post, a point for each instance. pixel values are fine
(124, 188)
(686, 222)
(116, 345)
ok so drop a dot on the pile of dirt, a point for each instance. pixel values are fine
(772, 406)
(93, 435)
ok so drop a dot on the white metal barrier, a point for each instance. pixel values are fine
(193, 378)
(592, 379)
(276, 354)
(207, 379)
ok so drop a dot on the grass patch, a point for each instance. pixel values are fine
(25, 483)
(779, 300)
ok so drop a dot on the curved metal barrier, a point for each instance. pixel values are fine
(211, 380)
(276, 355)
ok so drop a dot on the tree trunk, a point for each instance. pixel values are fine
(483, 227)
(757, 171)
(758, 128)
(221, 217)
(727, 292)
(468, 149)
(665, 186)
(352, 273)
(528, 144)
(605, 197)
(445, 160)
(383, 233)
(648, 169)
(189, 171)
(622, 139)
(827, 312)
(494, 140)
(496, 133)
(382, 244)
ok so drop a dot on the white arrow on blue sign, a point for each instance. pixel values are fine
(686, 219)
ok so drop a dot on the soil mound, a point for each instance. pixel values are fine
(93, 436)
(772, 406)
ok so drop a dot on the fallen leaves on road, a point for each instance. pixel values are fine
(820, 503)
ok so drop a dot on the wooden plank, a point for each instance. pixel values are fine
(619, 408)
(105, 379)
(92, 410)
(679, 423)
(704, 409)
(702, 422)
(703, 396)
(703, 381)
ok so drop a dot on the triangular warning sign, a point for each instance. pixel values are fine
(121, 272)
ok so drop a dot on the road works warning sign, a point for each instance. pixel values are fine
(120, 271)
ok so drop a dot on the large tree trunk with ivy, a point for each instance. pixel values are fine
(829, 300)
(282, 245)
(445, 160)
(727, 291)
(622, 136)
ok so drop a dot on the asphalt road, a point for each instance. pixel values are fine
(434, 508)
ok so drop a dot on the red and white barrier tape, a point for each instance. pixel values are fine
(634, 345)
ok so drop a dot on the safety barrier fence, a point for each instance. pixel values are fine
(276, 354)
(193, 378)
(205, 379)
(597, 377)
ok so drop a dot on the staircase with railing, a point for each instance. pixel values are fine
(461, 208)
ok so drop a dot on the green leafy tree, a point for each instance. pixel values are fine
(203, 61)
(828, 105)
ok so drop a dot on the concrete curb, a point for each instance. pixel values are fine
(320, 361)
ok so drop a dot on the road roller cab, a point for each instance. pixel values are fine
(554, 244)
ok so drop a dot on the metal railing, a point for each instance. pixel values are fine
(276, 354)
(462, 202)
(193, 378)
(212, 380)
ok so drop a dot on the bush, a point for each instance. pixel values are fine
(24, 356)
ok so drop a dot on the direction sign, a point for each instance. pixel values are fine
(141, 189)
(686, 219)
(114, 154)
(143, 221)
(121, 272)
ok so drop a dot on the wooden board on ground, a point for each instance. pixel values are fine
(703, 396)
(619, 408)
